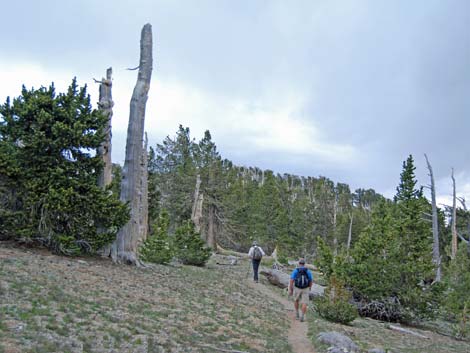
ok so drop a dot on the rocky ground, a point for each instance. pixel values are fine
(56, 304)
(370, 334)
(50, 303)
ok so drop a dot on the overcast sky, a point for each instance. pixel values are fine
(344, 89)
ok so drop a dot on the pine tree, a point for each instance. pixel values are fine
(157, 247)
(414, 242)
(190, 248)
(48, 147)
(391, 262)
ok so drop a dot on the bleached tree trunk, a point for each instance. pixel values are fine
(211, 238)
(436, 257)
(335, 235)
(105, 105)
(144, 209)
(351, 216)
(196, 213)
(454, 220)
(125, 246)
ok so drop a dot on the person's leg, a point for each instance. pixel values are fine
(255, 269)
(304, 301)
(296, 306)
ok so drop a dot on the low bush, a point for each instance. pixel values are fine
(335, 305)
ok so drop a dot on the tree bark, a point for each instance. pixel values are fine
(436, 257)
(196, 213)
(144, 204)
(125, 246)
(351, 215)
(454, 220)
(105, 105)
(211, 238)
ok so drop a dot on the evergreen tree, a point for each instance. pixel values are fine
(391, 262)
(190, 248)
(49, 165)
(157, 247)
(172, 176)
(414, 245)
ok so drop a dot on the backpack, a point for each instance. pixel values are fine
(257, 255)
(301, 279)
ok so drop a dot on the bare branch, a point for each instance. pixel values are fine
(462, 201)
(462, 238)
(135, 68)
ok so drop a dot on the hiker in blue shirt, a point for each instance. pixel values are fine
(255, 254)
(300, 283)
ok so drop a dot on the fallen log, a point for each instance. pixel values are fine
(404, 330)
(276, 277)
(281, 279)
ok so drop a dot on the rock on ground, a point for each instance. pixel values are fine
(338, 340)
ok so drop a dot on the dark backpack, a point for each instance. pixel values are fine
(257, 255)
(301, 278)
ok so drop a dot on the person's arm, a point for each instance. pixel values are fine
(291, 282)
(310, 278)
(262, 251)
(250, 253)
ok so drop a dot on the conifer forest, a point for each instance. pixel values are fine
(179, 204)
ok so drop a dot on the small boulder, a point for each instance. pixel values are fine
(338, 340)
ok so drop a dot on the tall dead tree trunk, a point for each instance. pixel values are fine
(351, 216)
(453, 253)
(211, 237)
(125, 246)
(335, 235)
(105, 105)
(435, 230)
(196, 213)
(144, 204)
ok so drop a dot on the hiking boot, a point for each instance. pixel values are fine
(297, 315)
(302, 318)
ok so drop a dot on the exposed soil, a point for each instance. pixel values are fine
(297, 335)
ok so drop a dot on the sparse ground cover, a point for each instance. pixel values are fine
(368, 334)
(56, 304)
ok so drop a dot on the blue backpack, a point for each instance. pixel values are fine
(301, 279)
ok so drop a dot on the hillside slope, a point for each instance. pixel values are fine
(56, 304)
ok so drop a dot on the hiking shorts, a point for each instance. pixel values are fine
(301, 295)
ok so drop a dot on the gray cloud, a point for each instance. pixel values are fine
(389, 78)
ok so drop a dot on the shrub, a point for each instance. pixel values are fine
(157, 248)
(190, 248)
(335, 306)
(457, 301)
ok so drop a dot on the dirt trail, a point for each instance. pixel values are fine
(297, 335)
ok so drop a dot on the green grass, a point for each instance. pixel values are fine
(123, 308)
(368, 333)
